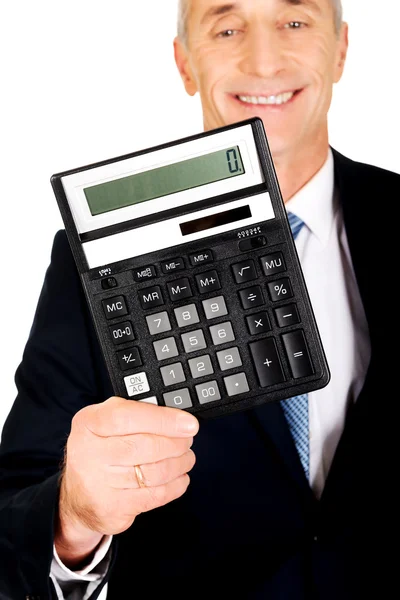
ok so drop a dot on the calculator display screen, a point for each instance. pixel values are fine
(163, 181)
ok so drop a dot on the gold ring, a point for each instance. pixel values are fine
(139, 476)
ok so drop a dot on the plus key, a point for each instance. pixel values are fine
(266, 361)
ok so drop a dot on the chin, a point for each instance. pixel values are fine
(278, 146)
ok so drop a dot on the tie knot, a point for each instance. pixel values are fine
(295, 224)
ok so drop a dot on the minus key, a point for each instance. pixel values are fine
(287, 315)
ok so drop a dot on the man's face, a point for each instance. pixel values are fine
(275, 59)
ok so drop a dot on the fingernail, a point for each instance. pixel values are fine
(187, 423)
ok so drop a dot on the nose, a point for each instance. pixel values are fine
(263, 54)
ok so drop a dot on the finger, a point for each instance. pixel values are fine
(148, 498)
(154, 474)
(117, 416)
(140, 449)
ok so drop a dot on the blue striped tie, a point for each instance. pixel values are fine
(296, 408)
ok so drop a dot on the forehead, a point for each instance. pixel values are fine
(206, 9)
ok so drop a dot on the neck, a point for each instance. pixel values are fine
(295, 171)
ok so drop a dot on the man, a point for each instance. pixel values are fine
(251, 524)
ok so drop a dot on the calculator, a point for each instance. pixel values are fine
(191, 274)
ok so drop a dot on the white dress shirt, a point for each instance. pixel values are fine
(325, 259)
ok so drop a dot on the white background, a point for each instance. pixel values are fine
(87, 80)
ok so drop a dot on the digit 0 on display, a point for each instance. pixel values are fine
(233, 163)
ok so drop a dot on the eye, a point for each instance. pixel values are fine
(294, 25)
(227, 33)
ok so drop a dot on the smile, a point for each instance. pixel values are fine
(268, 100)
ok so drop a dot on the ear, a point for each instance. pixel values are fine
(341, 52)
(182, 62)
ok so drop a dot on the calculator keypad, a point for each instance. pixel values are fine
(195, 334)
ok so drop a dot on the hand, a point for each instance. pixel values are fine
(100, 492)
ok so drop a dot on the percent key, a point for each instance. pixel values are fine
(280, 289)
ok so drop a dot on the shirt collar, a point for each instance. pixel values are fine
(313, 203)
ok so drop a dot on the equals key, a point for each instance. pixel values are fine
(298, 355)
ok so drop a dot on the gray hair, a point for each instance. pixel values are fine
(184, 5)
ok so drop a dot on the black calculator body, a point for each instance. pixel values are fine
(191, 274)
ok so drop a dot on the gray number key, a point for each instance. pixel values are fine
(193, 340)
(215, 307)
(222, 333)
(172, 374)
(229, 358)
(186, 315)
(200, 366)
(208, 392)
(165, 348)
(158, 323)
(178, 399)
(236, 384)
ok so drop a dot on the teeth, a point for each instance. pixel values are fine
(279, 99)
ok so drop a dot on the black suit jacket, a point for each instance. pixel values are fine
(248, 526)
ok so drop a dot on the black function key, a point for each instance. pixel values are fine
(273, 263)
(287, 315)
(129, 359)
(170, 266)
(208, 282)
(297, 352)
(201, 258)
(122, 332)
(258, 323)
(280, 289)
(251, 297)
(151, 296)
(144, 273)
(114, 307)
(244, 271)
(267, 362)
(179, 289)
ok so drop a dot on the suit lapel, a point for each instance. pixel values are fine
(269, 418)
(270, 421)
(359, 186)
